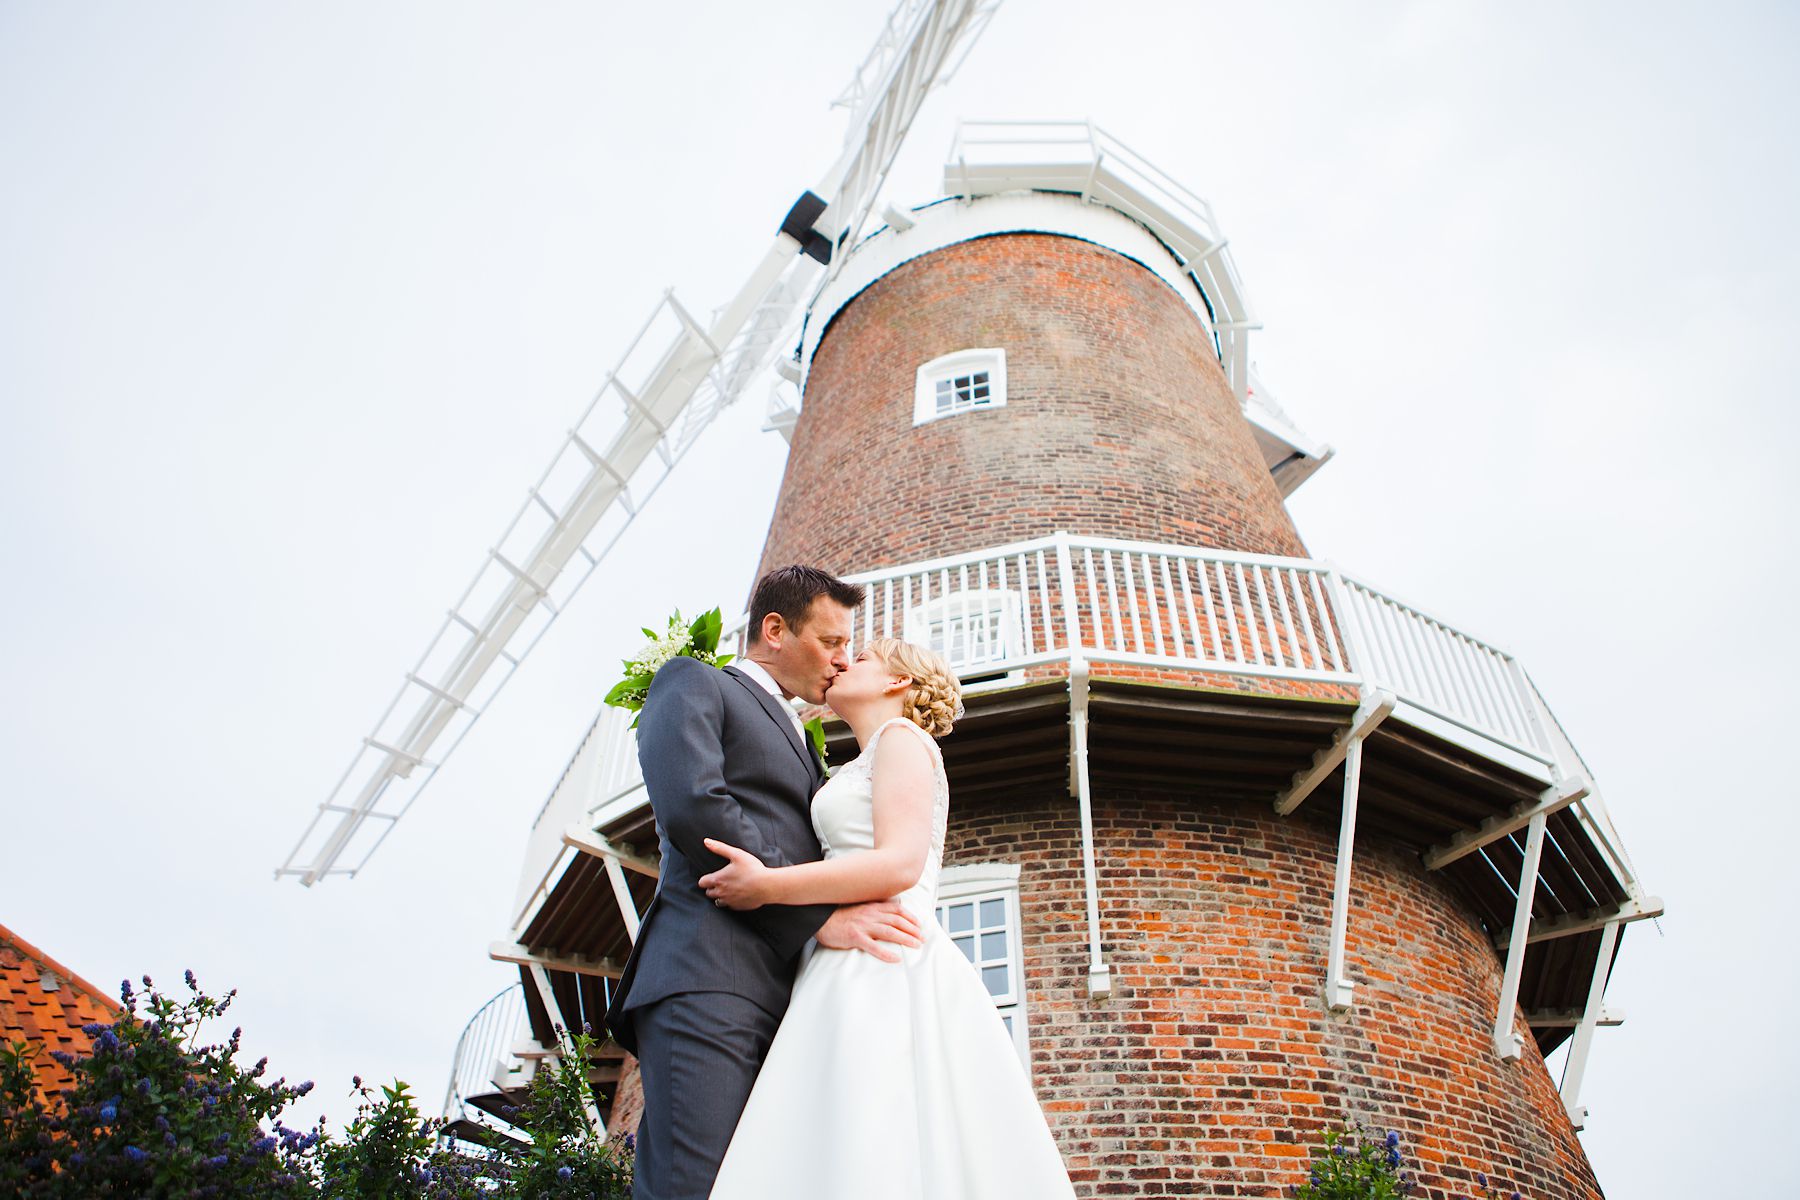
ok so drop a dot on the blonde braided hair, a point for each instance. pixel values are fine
(934, 701)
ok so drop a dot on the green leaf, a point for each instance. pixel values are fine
(623, 689)
(723, 659)
(706, 629)
(815, 733)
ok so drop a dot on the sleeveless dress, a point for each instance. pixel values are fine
(890, 1081)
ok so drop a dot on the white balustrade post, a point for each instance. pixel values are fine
(1540, 731)
(1358, 659)
(1507, 1044)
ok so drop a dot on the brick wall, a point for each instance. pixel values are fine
(1119, 421)
(1215, 1064)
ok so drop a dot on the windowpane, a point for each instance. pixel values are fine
(954, 393)
(981, 927)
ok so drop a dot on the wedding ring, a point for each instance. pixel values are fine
(720, 903)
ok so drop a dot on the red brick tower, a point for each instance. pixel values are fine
(1117, 419)
(1237, 839)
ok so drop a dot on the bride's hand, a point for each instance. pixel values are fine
(741, 884)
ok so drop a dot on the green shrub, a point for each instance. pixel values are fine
(153, 1112)
(1353, 1166)
(565, 1156)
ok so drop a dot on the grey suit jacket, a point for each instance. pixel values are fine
(721, 759)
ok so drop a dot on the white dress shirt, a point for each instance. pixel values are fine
(766, 681)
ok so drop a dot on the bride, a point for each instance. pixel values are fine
(885, 1081)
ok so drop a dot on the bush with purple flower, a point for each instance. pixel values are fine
(154, 1111)
(148, 1111)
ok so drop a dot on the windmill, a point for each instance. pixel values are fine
(1242, 844)
(675, 376)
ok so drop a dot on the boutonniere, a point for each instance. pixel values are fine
(683, 639)
(815, 735)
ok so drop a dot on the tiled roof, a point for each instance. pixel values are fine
(44, 1002)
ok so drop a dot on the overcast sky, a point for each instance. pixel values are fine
(295, 300)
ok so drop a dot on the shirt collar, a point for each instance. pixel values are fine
(756, 671)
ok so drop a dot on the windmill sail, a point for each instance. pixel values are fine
(672, 380)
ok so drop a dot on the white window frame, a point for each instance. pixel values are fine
(975, 602)
(971, 884)
(991, 359)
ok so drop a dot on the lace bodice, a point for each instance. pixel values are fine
(843, 811)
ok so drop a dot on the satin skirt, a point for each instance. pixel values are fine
(892, 1081)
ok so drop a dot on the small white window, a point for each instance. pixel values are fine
(959, 383)
(973, 629)
(978, 906)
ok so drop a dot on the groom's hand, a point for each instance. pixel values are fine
(872, 928)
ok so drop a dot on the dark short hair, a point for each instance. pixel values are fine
(791, 591)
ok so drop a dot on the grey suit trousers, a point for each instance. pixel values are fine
(699, 1054)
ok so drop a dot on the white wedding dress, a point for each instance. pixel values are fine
(890, 1081)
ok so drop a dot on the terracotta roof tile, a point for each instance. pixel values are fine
(42, 1001)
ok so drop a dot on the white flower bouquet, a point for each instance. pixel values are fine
(698, 638)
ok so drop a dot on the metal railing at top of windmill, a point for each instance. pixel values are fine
(483, 1051)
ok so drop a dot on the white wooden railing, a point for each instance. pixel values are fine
(1216, 611)
(1443, 671)
(999, 611)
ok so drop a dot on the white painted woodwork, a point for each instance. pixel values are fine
(1373, 710)
(1553, 800)
(1508, 1044)
(1339, 988)
(576, 964)
(1592, 1016)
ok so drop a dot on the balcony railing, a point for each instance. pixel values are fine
(999, 611)
(1208, 611)
(484, 1057)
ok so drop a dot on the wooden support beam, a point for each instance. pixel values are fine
(1099, 973)
(1553, 799)
(615, 874)
(1591, 1017)
(1507, 1044)
(524, 956)
(1373, 710)
(1338, 985)
(1569, 1018)
(1593, 918)
(579, 837)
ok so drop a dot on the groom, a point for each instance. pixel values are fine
(724, 757)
